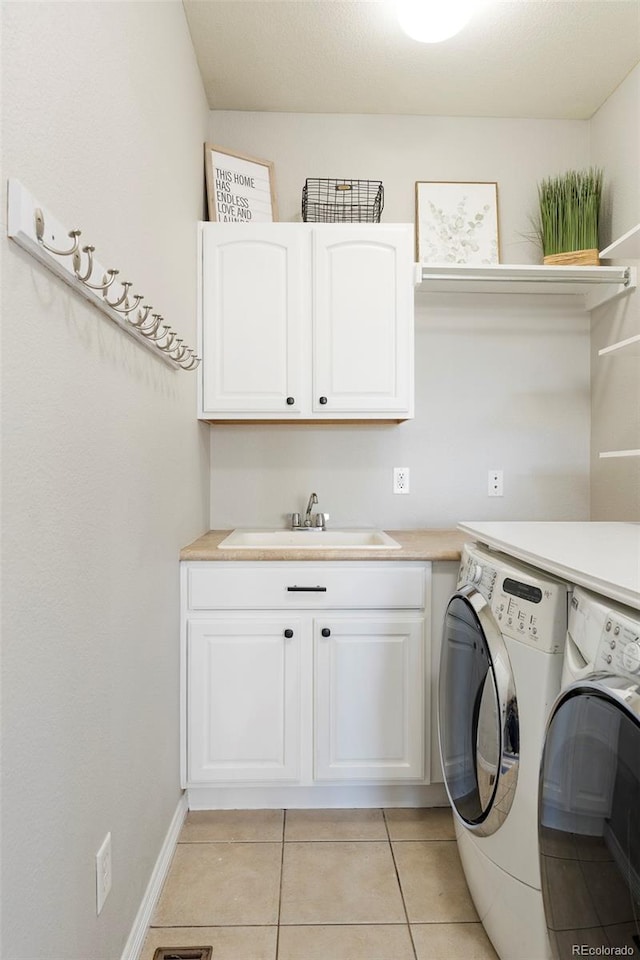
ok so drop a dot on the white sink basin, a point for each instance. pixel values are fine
(308, 540)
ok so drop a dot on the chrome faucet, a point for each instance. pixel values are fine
(307, 517)
(312, 521)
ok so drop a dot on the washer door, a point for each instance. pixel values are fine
(589, 819)
(478, 714)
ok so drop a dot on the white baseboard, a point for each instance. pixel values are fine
(138, 933)
(316, 796)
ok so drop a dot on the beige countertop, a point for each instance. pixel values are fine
(415, 545)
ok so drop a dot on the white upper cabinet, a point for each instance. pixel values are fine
(306, 322)
(253, 302)
(362, 320)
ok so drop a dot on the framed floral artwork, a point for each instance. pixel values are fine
(457, 222)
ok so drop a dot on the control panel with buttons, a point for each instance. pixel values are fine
(526, 606)
(619, 649)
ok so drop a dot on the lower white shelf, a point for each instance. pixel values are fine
(630, 346)
(619, 453)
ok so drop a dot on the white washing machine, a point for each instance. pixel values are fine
(500, 672)
(589, 812)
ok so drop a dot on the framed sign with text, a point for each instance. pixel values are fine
(240, 189)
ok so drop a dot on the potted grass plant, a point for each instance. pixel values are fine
(569, 211)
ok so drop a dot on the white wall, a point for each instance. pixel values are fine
(104, 466)
(615, 146)
(498, 384)
(615, 395)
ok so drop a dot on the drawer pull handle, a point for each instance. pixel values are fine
(291, 401)
(295, 589)
(288, 633)
(325, 632)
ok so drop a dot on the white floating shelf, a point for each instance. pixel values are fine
(629, 347)
(619, 453)
(626, 247)
(593, 286)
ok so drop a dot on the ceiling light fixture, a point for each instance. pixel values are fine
(431, 21)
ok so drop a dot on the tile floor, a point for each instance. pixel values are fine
(319, 885)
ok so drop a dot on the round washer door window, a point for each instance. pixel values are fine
(589, 822)
(478, 719)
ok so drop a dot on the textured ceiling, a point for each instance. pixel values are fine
(517, 58)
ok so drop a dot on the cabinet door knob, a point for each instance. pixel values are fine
(288, 633)
(323, 400)
(325, 632)
(291, 401)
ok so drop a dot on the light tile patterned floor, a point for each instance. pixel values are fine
(319, 885)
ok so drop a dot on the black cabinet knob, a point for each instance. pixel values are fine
(323, 400)
(291, 401)
(325, 632)
(288, 634)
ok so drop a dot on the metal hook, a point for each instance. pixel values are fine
(141, 319)
(77, 263)
(194, 361)
(107, 280)
(116, 303)
(152, 335)
(163, 333)
(169, 345)
(182, 351)
(130, 307)
(155, 322)
(74, 234)
(153, 326)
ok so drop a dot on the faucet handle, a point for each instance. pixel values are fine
(321, 519)
(295, 521)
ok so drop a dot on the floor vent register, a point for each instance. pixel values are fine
(183, 953)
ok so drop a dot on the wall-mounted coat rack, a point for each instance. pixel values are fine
(38, 232)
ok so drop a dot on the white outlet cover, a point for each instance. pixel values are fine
(401, 479)
(495, 483)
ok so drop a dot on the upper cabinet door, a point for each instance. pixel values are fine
(363, 320)
(253, 312)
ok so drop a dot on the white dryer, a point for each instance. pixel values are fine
(500, 672)
(589, 812)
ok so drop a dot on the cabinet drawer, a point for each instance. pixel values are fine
(308, 586)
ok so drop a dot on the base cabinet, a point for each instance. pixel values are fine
(298, 694)
(244, 699)
(368, 699)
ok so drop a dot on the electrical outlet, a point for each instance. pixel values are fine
(496, 488)
(401, 479)
(103, 872)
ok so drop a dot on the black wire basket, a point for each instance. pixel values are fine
(342, 201)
